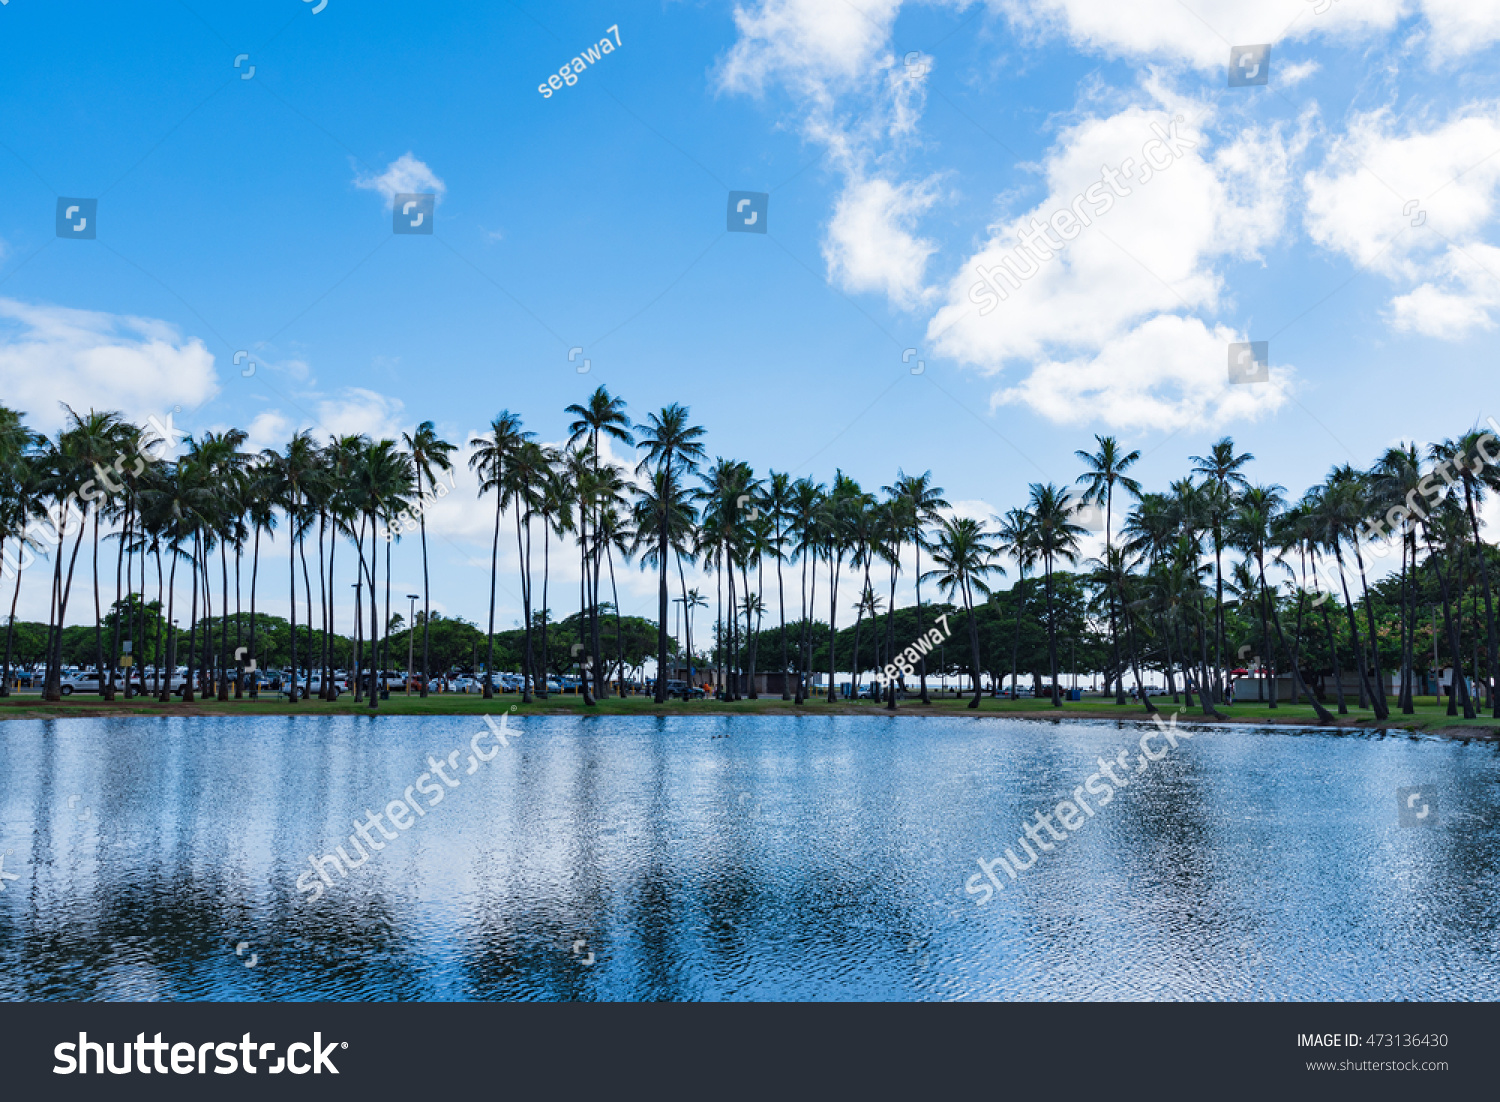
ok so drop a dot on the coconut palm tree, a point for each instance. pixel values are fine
(963, 557)
(428, 453)
(672, 446)
(1251, 530)
(1056, 541)
(1104, 470)
(492, 458)
(1223, 471)
(602, 415)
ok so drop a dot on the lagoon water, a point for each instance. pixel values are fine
(783, 858)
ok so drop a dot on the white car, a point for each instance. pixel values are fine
(85, 683)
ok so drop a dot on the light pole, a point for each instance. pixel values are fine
(411, 634)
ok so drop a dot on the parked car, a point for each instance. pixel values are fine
(85, 683)
(311, 684)
(685, 691)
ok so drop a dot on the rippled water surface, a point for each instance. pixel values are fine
(738, 858)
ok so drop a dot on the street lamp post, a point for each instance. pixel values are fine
(411, 634)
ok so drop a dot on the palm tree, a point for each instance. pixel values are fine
(427, 450)
(1056, 540)
(806, 511)
(492, 459)
(672, 447)
(1016, 539)
(922, 504)
(1222, 469)
(1104, 470)
(1251, 530)
(602, 415)
(962, 558)
(1475, 477)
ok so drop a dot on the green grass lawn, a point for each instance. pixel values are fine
(1430, 715)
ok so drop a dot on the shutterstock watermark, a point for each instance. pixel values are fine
(1073, 814)
(1038, 246)
(75, 1058)
(905, 663)
(400, 811)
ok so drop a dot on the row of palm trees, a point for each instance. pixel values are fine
(1160, 586)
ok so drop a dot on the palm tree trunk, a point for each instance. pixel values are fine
(1297, 685)
(489, 661)
(833, 594)
(291, 562)
(187, 690)
(890, 628)
(170, 661)
(10, 625)
(662, 541)
(1460, 686)
(106, 677)
(528, 670)
(974, 642)
(1382, 709)
(1051, 635)
(1365, 692)
(254, 578)
(373, 703)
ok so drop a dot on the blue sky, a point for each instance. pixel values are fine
(902, 145)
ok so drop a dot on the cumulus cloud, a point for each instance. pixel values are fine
(92, 360)
(824, 55)
(404, 176)
(1416, 201)
(1461, 26)
(1196, 33)
(870, 245)
(1148, 231)
(1167, 371)
(815, 47)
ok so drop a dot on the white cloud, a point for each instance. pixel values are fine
(814, 46)
(1197, 32)
(1416, 203)
(1462, 26)
(1471, 277)
(870, 245)
(824, 53)
(404, 176)
(92, 360)
(1168, 371)
(1150, 250)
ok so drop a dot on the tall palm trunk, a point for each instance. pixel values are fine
(106, 677)
(254, 579)
(427, 585)
(187, 689)
(10, 624)
(1460, 690)
(1382, 708)
(1297, 685)
(291, 562)
(1365, 691)
(1051, 636)
(834, 562)
(890, 628)
(1491, 639)
(489, 661)
(170, 625)
(528, 674)
(974, 642)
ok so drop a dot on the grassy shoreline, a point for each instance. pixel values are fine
(1431, 717)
